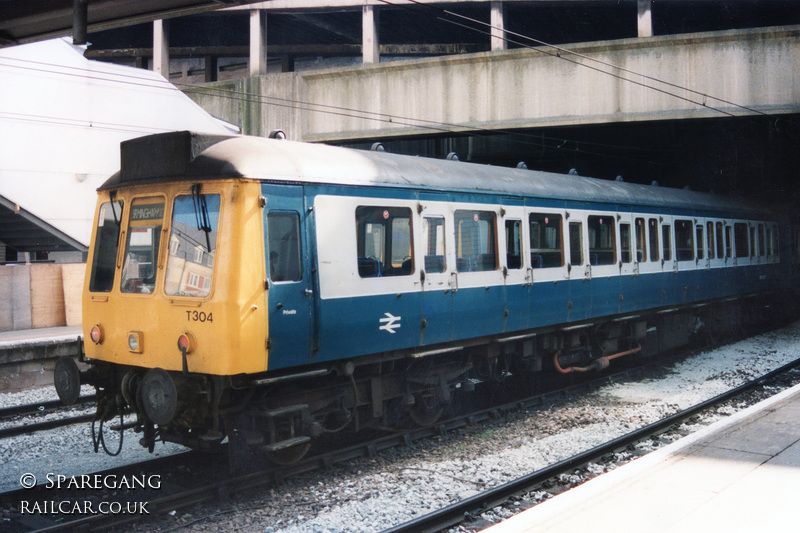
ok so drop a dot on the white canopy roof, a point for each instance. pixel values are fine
(62, 118)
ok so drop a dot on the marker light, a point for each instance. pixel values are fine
(186, 342)
(96, 334)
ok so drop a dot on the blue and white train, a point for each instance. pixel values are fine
(297, 289)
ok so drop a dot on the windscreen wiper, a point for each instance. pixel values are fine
(201, 214)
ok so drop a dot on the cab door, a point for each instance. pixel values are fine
(290, 297)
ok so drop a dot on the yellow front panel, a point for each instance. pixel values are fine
(226, 317)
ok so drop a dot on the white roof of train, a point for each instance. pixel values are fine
(281, 160)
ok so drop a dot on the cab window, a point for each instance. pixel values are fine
(192, 245)
(106, 244)
(146, 218)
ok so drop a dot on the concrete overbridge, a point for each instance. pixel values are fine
(674, 77)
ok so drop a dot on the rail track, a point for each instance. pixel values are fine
(215, 486)
(468, 509)
(39, 409)
(181, 492)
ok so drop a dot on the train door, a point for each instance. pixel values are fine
(579, 268)
(604, 259)
(517, 273)
(671, 293)
(290, 298)
(549, 265)
(437, 295)
(628, 263)
(648, 261)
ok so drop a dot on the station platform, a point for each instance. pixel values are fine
(12, 339)
(27, 357)
(739, 474)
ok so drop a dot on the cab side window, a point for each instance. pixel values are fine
(106, 244)
(285, 256)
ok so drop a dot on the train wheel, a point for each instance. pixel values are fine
(428, 407)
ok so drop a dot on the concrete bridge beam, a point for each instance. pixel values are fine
(758, 69)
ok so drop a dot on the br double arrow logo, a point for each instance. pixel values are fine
(390, 323)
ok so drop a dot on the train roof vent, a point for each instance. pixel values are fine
(162, 155)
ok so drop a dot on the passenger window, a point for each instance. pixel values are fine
(285, 255)
(433, 235)
(514, 244)
(761, 241)
(192, 245)
(710, 239)
(641, 241)
(383, 240)
(575, 243)
(684, 240)
(546, 244)
(720, 241)
(652, 225)
(625, 242)
(106, 244)
(728, 241)
(476, 247)
(752, 241)
(602, 249)
(740, 238)
(141, 249)
(700, 242)
(666, 241)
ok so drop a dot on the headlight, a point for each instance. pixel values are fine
(135, 341)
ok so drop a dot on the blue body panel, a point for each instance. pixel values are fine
(345, 327)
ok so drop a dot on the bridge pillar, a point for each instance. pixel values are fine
(161, 47)
(258, 42)
(498, 23)
(644, 9)
(370, 44)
